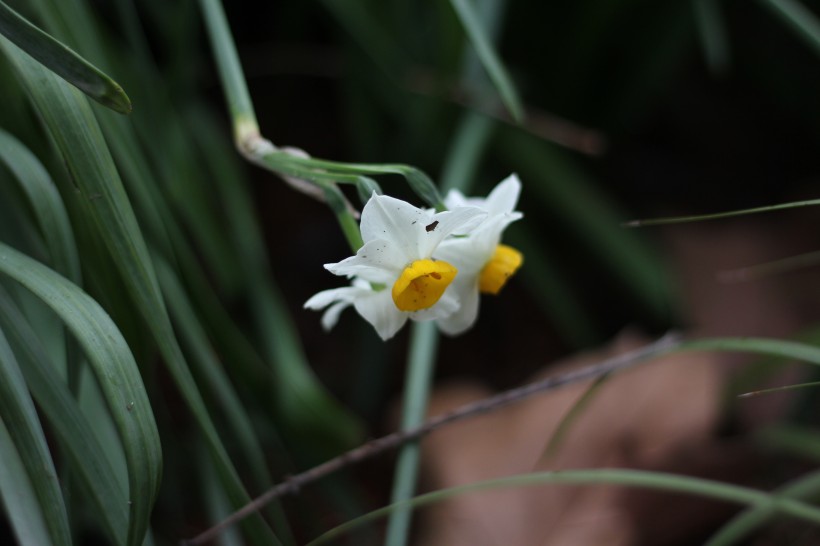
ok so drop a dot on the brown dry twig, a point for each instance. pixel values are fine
(375, 447)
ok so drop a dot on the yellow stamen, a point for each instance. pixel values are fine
(421, 284)
(504, 263)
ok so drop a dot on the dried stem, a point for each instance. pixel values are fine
(375, 447)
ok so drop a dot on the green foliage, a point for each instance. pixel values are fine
(151, 278)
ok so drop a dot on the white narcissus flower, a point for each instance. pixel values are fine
(483, 263)
(396, 277)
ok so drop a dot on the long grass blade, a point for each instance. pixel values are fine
(800, 19)
(18, 413)
(116, 372)
(70, 427)
(773, 347)
(18, 495)
(719, 215)
(630, 478)
(46, 203)
(488, 57)
(743, 524)
(103, 200)
(61, 60)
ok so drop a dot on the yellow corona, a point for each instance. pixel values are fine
(505, 262)
(422, 283)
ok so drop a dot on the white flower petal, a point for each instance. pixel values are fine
(377, 261)
(464, 254)
(326, 297)
(466, 315)
(331, 316)
(455, 198)
(395, 221)
(458, 220)
(504, 196)
(379, 310)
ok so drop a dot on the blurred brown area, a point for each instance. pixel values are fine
(666, 415)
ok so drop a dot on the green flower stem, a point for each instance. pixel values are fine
(349, 226)
(418, 181)
(230, 71)
(420, 364)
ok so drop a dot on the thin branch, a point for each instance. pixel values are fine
(372, 448)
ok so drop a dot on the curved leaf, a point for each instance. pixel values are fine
(18, 496)
(46, 202)
(67, 422)
(802, 21)
(599, 476)
(61, 60)
(104, 202)
(115, 370)
(23, 426)
(488, 57)
(766, 346)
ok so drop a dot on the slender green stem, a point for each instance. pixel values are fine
(630, 478)
(421, 361)
(230, 70)
(715, 216)
(350, 228)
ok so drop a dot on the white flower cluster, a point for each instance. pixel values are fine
(421, 265)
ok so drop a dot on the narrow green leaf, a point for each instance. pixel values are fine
(18, 413)
(18, 495)
(365, 187)
(717, 215)
(773, 347)
(102, 197)
(116, 372)
(742, 525)
(630, 478)
(211, 370)
(71, 428)
(46, 203)
(488, 57)
(800, 19)
(62, 61)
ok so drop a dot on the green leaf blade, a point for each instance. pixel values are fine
(71, 428)
(18, 413)
(63, 61)
(116, 372)
(18, 495)
(489, 58)
(46, 203)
